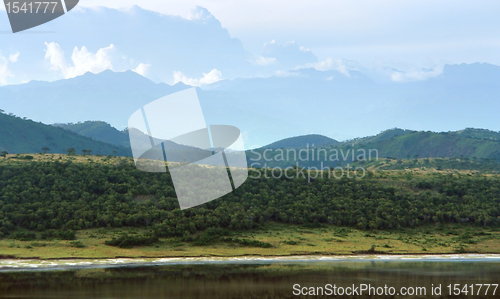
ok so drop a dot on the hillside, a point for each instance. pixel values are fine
(98, 130)
(303, 141)
(101, 131)
(26, 136)
(387, 134)
(430, 144)
(479, 134)
(395, 143)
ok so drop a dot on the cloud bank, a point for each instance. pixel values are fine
(212, 77)
(82, 60)
(417, 75)
(286, 55)
(5, 71)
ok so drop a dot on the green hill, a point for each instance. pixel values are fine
(102, 131)
(479, 134)
(302, 141)
(387, 134)
(430, 144)
(19, 135)
(98, 130)
(396, 143)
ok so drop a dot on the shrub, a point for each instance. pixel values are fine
(128, 241)
(24, 236)
(247, 242)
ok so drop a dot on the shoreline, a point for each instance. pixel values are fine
(22, 265)
(351, 255)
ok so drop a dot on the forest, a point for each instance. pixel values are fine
(52, 199)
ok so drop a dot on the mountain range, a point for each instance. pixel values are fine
(303, 102)
(107, 96)
(22, 135)
(18, 135)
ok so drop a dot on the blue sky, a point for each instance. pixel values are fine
(371, 32)
(398, 40)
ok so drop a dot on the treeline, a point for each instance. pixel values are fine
(478, 164)
(66, 196)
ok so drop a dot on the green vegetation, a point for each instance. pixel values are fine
(98, 130)
(470, 144)
(19, 135)
(283, 240)
(440, 164)
(303, 141)
(129, 241)
(55, 198)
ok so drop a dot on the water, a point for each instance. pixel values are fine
(251, 280)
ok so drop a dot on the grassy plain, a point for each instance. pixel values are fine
(287, 240)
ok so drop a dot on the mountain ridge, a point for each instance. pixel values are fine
(26, 136)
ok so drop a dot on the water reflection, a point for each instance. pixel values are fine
(245, 281)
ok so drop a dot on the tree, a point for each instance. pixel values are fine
(71, 151)
(115, 152)
(84, 151)
(45, 149)
(4, 154)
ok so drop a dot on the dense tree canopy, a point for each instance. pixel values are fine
(43, 196)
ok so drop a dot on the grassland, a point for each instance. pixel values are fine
(287, 240)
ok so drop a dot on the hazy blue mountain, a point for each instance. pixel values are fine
(304, 102)
(343, 107)
(107, 96)
(26, 136)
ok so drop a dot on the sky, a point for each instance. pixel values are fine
(422, 32)
(402, 40)
(203, 42)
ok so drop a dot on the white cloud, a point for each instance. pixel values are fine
(143, 69)
(14, 57)
(264, 61)
(199, 14)
(417, 75)
(286, 55)
(83, 60)
(286, 74)
(5, 72)
(212, 77)
(328, 65)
